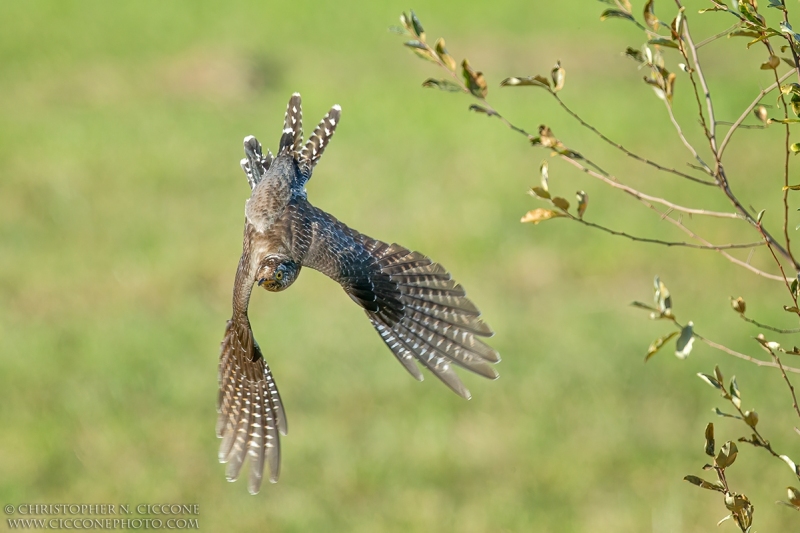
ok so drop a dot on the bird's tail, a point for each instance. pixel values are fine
(318, 141)
(292, 138)
(250, 410)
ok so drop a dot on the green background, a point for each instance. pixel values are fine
(121, 204)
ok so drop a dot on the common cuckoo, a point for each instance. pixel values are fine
(421, 314)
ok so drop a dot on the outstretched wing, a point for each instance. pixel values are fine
(419, 311)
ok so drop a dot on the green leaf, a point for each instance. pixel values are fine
(791, 464)
(703, 484)
(561, 203)
(736, 396)
(558, 74)
(406, 22)
(634, 54)
(444, 85)
(771, 63)
(794, 148)
(718, 374)
(786, 29)
(417, 25)
(745, 33)
(421, 50)
(583, 203)
(657, 344)
(446, 58)
(711, 380)
(539, 192)
(545, 174)
(661, 296)
(794, 496)
(727, 455)
(761, 114)
(480, 109)
(709, 447)
(715, 8)
(795, 102)
(649, 16)
(640, 305)
(416, 44)
(725, 415)
(662, 41)
(616, 13)
(534, 81)
(684, 344)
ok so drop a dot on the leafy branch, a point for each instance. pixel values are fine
(707, 167)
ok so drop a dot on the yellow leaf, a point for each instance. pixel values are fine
(771, 64)
(539, 215)
(474, 80)
(446, 58)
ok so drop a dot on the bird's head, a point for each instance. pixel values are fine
(277, 272)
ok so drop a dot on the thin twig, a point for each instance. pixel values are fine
(682, 48)
(767, 326)
(686, 142)
(683, 228)
(755, 361)
(625, 150)
(608, 179)
(786, 154)
(717, 36)
(789, 40)
(664, 243)
(712, 124)
(780, 266)
(788, 383)
(749, 110)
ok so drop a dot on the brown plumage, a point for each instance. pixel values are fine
(421, 314)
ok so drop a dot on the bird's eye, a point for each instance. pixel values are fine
(279, 275)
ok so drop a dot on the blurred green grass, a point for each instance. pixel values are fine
(120, 224)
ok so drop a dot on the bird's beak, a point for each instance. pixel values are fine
(261, 281)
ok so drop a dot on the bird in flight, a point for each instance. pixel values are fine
(421, 314)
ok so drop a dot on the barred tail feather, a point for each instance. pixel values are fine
(292, 138)
(251, 414)
(255, 164)
(319, 140)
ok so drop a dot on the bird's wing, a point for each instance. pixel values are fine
(251, 413)
(418, 310)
